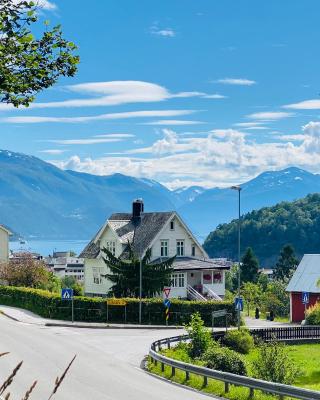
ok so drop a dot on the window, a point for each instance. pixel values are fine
(180, 248)
(111, 246)
(97, 279)
(177, 280)
(164, 248)
(193, 250)
(172, 225)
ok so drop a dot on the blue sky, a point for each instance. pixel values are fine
(185, 92)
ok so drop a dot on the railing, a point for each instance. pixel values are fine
(289, 333)
(232, 379)
(194, 294)
(211, 294)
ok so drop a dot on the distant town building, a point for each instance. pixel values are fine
(63, 264)
(4, 244)
(195, 275)
(268, 272)
(304, 280)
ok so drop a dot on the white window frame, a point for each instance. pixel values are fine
(180, 248)
(96, 272)
(193, 250)
(164, 248)
(111, 246)
(178, 280)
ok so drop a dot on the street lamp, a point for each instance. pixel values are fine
(238, 189)
(140, 290)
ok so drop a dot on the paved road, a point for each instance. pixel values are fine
(107, 365)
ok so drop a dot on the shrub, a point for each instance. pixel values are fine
(94, 309)
(199, 335)
(273, 364)
(224, 359)
(313, 315)
(239, 340)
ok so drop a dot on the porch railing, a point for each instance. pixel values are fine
(211, 294)
(193, 294)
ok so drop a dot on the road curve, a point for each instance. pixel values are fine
(107, 365)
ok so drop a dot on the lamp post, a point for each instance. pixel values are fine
(238, 189)
(140, 291)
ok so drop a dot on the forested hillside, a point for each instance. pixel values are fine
(268, 229)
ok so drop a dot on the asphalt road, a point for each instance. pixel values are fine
(107, 366)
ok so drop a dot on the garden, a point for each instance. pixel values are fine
(240, 353)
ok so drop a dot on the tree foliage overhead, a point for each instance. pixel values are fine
(29, 64)
(267, 230)
(125, 274)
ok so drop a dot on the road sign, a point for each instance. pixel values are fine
(238, 303)
(167, 303)
(116, 302)
(66, 294)
(166, 291)
(219, 313)
(305, 297)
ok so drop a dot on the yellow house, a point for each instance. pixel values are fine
(4, 244)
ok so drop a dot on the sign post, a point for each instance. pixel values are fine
(67, 294)
(167, 304)
(217, 314)
(305, 301)
(117, 303)
(238, 304)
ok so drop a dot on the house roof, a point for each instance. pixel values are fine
(5, 229)
(306, 276)
(189, 263)
(140, 232)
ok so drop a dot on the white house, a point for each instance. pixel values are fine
(63, 264)
(4, 244)
(195, 277)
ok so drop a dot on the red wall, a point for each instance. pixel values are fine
(297, 307)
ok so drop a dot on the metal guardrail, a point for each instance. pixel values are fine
(226, 377)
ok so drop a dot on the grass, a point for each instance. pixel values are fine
(306, 356)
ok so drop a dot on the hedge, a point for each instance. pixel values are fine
(95, 309)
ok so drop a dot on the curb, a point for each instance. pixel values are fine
(88, 326)
(9, 316)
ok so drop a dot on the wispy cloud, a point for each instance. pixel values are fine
(270, 115)
(236, 81)
(115, 135)
(164, 32)
(85, 141)
(214, 96)
(173, 122)
(305, 105)
(288, 138)
(248, 124)
(101, 117)
(53, 151)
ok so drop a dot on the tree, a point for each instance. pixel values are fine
(125, 274)
(29, 64)
(249, 267)
(72, 283)
(251, 293)
(287, 262)
(28, 272)
(276, 298)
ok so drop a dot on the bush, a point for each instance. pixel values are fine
(273, 364)
(313, 315)
(239, 340)
(94, 309)
(224, 359)
(199, 335)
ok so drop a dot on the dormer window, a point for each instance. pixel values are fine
(171, 225)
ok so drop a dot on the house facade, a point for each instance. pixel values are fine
(195, 275)
(304, 280)
(63, 264)
(4, 244)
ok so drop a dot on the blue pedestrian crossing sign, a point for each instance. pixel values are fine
(238, 303)
(167, 303)
(305, 297)
(66, 294)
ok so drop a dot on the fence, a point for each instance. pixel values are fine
(232, 379)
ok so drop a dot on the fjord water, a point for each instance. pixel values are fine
(46, 247)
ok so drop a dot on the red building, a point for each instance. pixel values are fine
(304, 280)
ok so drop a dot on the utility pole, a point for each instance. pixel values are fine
(238, 188)
(140, 291)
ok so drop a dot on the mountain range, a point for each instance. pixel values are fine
(40, 200)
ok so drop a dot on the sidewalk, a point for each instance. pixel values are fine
(28, 317)
(262, 323)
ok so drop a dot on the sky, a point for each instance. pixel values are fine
(185, 92)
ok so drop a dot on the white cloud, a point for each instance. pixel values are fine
(101, 117)
(305, 105)
(270, 115)
(53, 151)
(248, 124)
(164, 32)
(236, 81)
(44, 4)
(115, 135)
(173, 122)
(256, 128)
(214, 96)
(288, 138)
(222, 158)
(85, 141)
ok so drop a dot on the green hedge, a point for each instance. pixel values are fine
(94, 309)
